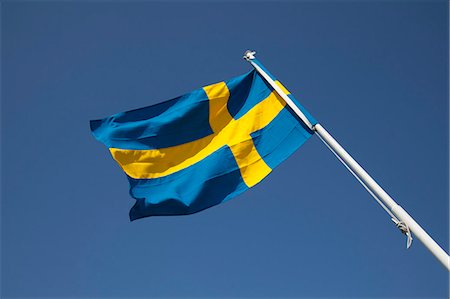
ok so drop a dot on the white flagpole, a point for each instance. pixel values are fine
(407, 223)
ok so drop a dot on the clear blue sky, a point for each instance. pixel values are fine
(374, 73)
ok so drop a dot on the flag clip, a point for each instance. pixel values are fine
(405, 230)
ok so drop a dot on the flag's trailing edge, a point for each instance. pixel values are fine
(203, 148)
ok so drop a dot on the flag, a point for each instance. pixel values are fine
(202, 148)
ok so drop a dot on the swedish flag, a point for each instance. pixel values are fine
(203, 148)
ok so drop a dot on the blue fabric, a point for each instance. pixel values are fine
(157, 126)
(205, 184)
(259, 91)
(213, 180)
(281, 138)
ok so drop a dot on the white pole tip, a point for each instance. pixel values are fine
(249, 55)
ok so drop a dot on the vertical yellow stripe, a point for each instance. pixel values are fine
(252, 166)
(218, 95)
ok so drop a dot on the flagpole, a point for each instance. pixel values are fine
(373, 186)
(406, 223)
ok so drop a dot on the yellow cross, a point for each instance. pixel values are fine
(235, 133)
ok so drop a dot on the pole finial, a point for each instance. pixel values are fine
(249, 55)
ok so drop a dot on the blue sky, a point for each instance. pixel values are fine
(374, 73)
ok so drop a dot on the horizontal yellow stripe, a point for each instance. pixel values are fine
(147, 164)
(252, 166)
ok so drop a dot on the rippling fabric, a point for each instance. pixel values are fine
(203, 148)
